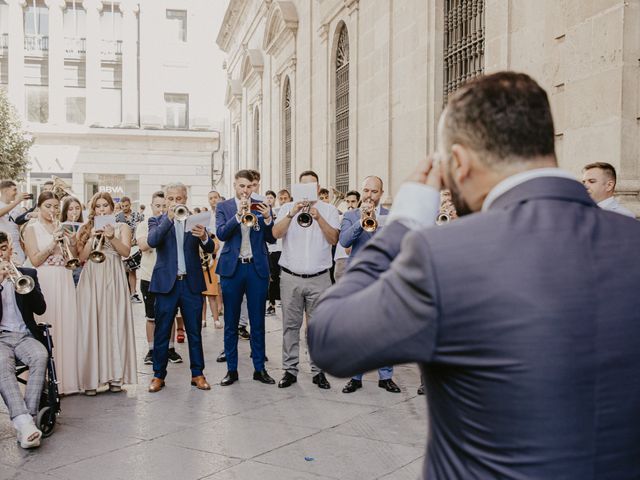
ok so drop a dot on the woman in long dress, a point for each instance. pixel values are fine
(72, 212)
(42, 242)
(106, 349)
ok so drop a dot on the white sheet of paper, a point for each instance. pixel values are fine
(304, 191)
(199, 218)
(102, 221)
(382, 220)
(258, 198)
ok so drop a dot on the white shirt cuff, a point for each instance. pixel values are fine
(416, 205)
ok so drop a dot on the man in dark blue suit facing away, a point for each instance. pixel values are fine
(177, 281)
(524, 316)
(244, 269)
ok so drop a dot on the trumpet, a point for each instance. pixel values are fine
(368, 222)
(97, 255)
(247, 218)
(305, 220)
(443, 218)
(22, 283)
(70, 261)
(338, 197)
(181, 212)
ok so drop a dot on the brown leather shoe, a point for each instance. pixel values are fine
(156, 385)
(200, 382)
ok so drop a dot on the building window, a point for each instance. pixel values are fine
(36, 26)
(178, 22)
(256, 139)
(111, 30)
(76, 109)
(236, 148)
(342, 111)
(177, 108)
(37, 99)
(286, 114)
(4, 21)
(463, 43)
(75, 28)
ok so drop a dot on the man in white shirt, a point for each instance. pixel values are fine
(147, 263)
(9, 201)
(341, 257)
(305, 262)
(600, 180)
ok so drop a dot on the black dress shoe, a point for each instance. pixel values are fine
(421, 390)
(287, 380)
(352, 385)
(263, 377)
(230, 379)
(243, 333)
(266, 359)
(389, 385)
(321, 381)
(221, 358)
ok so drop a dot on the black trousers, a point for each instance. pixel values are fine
(274, 276)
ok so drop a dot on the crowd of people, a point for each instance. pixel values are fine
(253, 255)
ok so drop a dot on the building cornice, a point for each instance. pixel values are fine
(229, 23)
(281, 26)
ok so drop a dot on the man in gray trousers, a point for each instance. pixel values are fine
(524, 316)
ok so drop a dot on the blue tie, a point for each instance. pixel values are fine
(182, 268)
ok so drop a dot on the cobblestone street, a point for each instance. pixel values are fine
(245, 431)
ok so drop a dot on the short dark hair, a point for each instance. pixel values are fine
(501, 116)
(4, 237)
(608, 169)
(125, 199)
(48, 182)
(256, 175)
(157, 194)
(353, 192)
(323, 191)
(6, 184)
(270, 192)
(309, 173)
(244, 174)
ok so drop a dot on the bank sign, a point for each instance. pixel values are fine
(112, 184)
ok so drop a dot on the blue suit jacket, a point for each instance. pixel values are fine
(351, 232)
(228, 230)
(525, 320)
(162, 237)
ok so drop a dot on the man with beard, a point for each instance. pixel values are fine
(524, 316)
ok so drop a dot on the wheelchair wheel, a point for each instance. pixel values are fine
(46, 421)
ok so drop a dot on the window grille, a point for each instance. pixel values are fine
(287, 135)
(342, 112)
(464, 31)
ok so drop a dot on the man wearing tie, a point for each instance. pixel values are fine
(353, 236)
(177, 281)
(244, 269)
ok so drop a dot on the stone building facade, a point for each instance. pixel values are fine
(115, 93)
(355, 87)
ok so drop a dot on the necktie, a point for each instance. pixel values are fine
(182, 268)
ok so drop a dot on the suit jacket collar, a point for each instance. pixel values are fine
(544, 187)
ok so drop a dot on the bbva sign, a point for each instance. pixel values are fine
(111, 189)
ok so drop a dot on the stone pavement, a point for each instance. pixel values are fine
(245, 431)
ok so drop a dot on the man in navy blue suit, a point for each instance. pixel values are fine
(353, 236)
(177, 281)
(244, 269)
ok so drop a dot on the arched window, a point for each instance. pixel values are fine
(256, 138)
(342, 111)
(236, 149)
(286, 115)
(463, 43)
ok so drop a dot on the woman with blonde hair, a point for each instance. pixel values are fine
(106, 348)
(43, 243)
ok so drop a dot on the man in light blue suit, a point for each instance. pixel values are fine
(353, 236)
(244, 269)
(177, 281)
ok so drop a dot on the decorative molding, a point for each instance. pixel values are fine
(323, 32)
(281, 26)
(92, 5)
(228, 26)
(352, 5)
(277, 79)
(129, 6)
(61, 4)
(234, 93)
(252, 67)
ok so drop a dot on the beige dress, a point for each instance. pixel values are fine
(58, 289)
(106, 341)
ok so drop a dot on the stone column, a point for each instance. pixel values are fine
(93, 60)
(130, 9)
(57, 114)
(16, 54)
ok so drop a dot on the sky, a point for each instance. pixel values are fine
(218, 57)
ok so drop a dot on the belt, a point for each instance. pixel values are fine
(304, 275)
(245, 260)
(182, 276)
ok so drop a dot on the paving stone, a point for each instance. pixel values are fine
(250, 469)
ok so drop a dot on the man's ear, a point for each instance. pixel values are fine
(461, 159)
(611, 186)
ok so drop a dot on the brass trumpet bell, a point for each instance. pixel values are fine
(97, 255)
(369, 224)
(305, 220)
(181, 212)
(22, 283)
(443, 219)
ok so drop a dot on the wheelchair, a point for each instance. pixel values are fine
(49, 408)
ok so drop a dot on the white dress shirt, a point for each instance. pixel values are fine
(245, 244)
(613, 205)
(11, 316)
(306, 250)
(148, 260)
(8, 225)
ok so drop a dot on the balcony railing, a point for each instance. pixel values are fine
(36, 43)
(74, 47)
(111, 48)
(4, 41)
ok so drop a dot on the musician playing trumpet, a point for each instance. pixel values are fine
(44, 238)
(354, 234)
